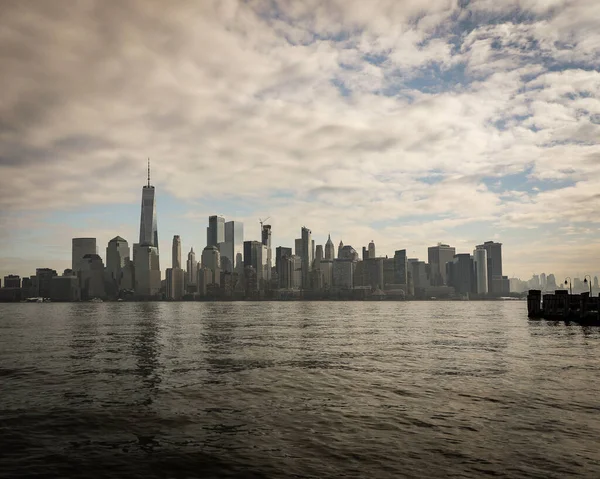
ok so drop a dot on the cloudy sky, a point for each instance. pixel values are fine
(407, 122)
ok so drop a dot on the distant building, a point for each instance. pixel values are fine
(307, 258)
(298, 251)
(268, 261)
(461, 274)
(401, 267)
(79, 248)
(65, 287)
(343, 273)
(372, 250)
(148, 221)
(12, 281)
(174, 283)
(191, 271)
(92, 277)
(496, 284)
(340, 247)
(280, 253)
(117, 257)
(211, 259)
(204, 279)
(481, 272)
(176, 253)
(215, 232)
(232, 249)
(551, 283)
(326, 269)
(437, 257)
(147, 271)
(329, 249)
(291, 272)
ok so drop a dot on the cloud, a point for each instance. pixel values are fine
(324, 113)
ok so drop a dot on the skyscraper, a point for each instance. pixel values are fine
(117, 260)
(191, 268)
(340, 246)
(148, 223)
(266, 241)
(494, 262)
(215, 232)
(461, 273)
(372, 249)
(176, 253)
(329, 249)
(307, 259)
(81, 247)
(438, 256)
(234, 245)
(280, 253)
(211, 259)
(481, 272)
(400, 267)
(145, 253)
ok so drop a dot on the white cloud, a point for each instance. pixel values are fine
(233, 98)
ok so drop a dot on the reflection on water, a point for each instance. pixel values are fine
(146, 348)
(295, 389)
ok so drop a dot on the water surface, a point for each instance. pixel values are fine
(299, 389)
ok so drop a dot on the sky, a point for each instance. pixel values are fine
(406, 122)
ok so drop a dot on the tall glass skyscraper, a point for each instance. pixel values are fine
(215, 231)
(148, 223)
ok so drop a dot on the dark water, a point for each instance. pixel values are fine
(383, 390)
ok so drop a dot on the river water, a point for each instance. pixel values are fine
(296, 389)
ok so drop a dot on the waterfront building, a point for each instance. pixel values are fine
(372, 274)
(307, 258)
(420, 273)
(437, 257)
(280, 253)
(481, 272)
(494, 261)
(65, 287)
(12, 281)
(389, 272)
(372, 249)
(234, 245)
(191, 271)
(174, 280)
(343, 273)
(211, 259)
(176, 253)
(461, 274)
(291, 272)
(267, 252)
(92, 277)
(147, 271)
(79, 248)
(117, 256)
(401, 267)
(215, 232)
(203, 280)
(326, 268)
(329, 249)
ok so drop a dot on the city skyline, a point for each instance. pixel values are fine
(408, 124)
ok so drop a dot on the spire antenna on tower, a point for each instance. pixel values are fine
(148, 172)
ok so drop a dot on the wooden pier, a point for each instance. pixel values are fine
(562, 306)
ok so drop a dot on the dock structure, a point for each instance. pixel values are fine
(562, 306)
